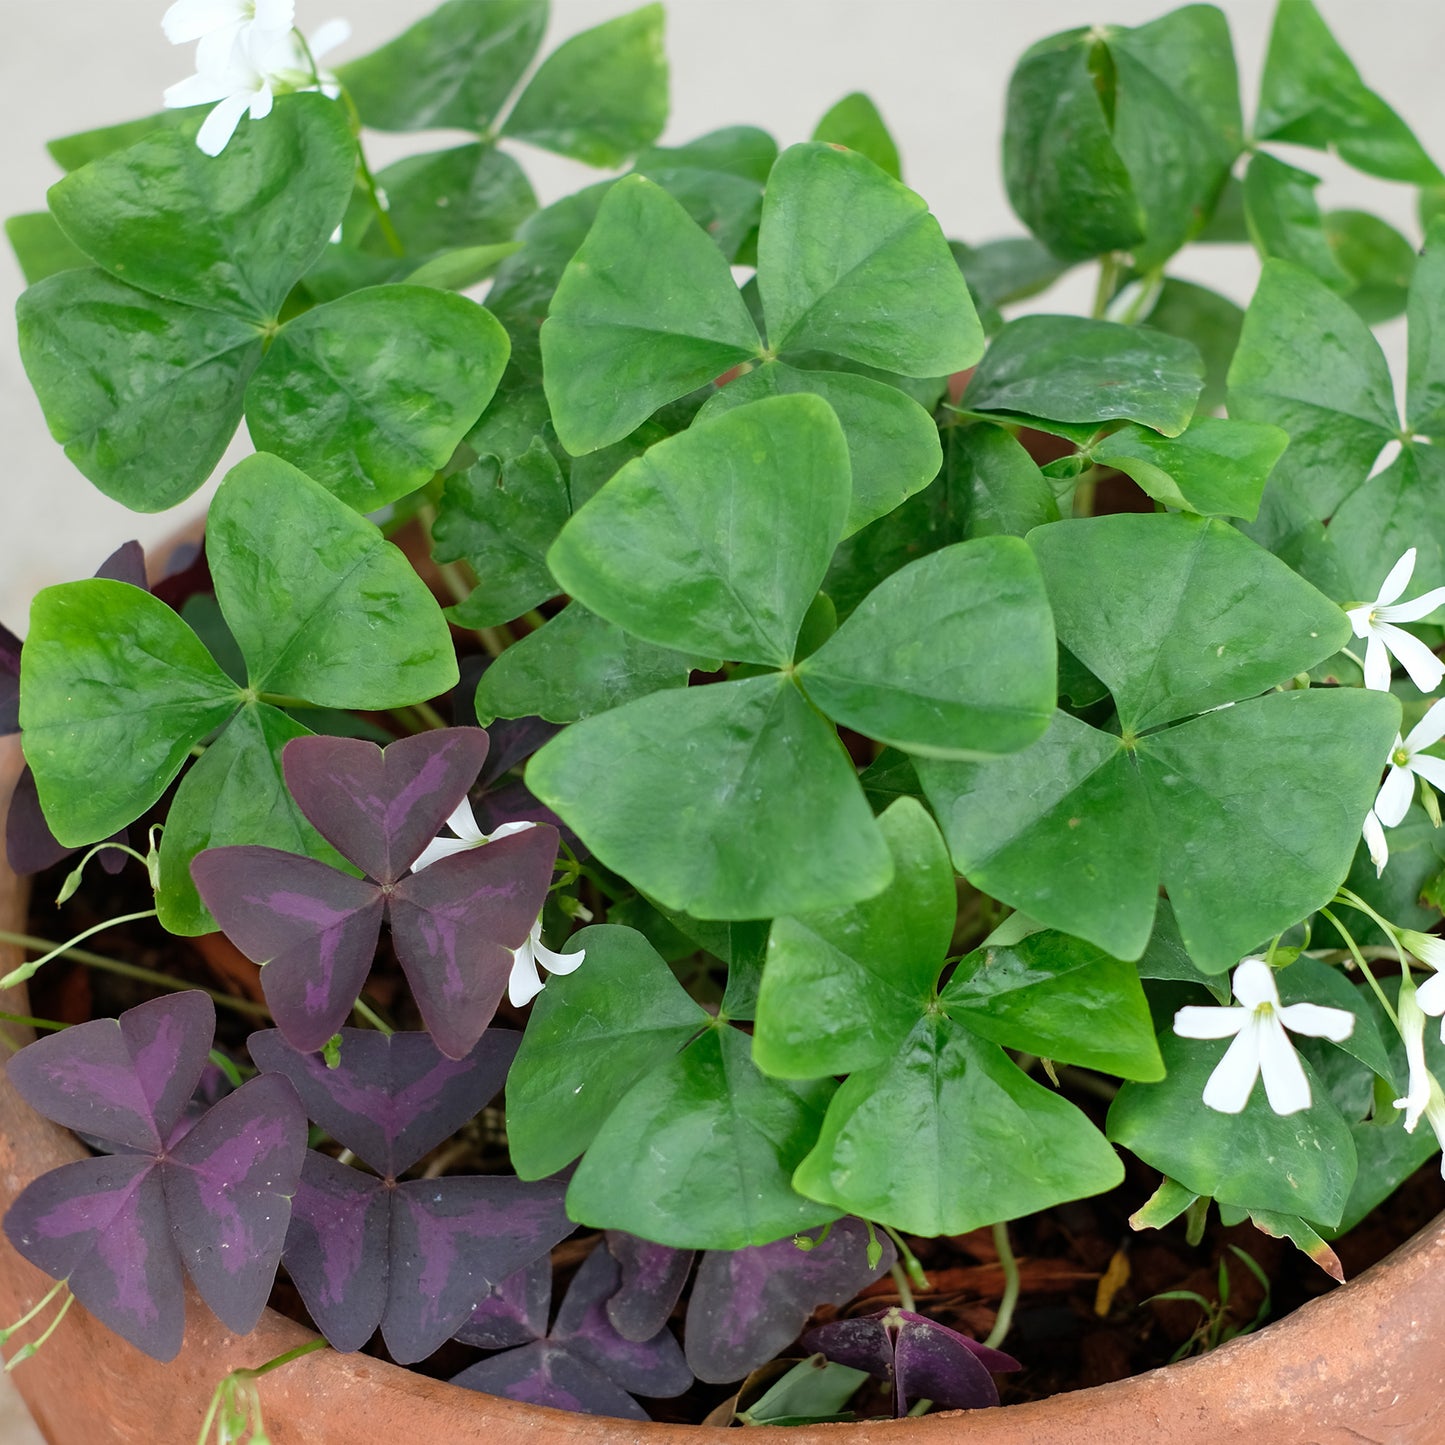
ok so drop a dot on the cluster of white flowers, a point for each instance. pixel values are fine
(247, 52)
(1376, 623)
(525, 981)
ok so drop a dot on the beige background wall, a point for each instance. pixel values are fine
(937, 69)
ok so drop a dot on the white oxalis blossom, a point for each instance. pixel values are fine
(1375, 621)
(1260, 1044)
(524, 982)
(1412, 1031)
(244, 60)
(1430, 950)
(1408, 761)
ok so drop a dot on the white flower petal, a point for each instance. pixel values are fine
(1427, 947)
(189, 20)
(196, 90)
(1428, 731)
(563, 963)
(1424, 667)
(1360, 619)
(1254, 983)
(1430, 996)
(223, 53)
(463, 822)
(1377, 663)
(524, 983)
(261, 104)
(1412, 1030)
(1398, 579)
(1199, 1022)
(1285, 1084)
(275, 14)
(1318, 1020)
(1232, 1081)
(506, 830)
(1413, 610)
(1375, 842)
(440, 848)
(218, 127)
(1430, 768)
(1392, 802)
(329, 36)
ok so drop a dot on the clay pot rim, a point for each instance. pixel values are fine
(1366, 1354)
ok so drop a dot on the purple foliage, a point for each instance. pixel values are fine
(212, 1194)
(920, 1358)
(416, 1256)
(748, 1304)
(651, 1284)
(454, 924)
(513, 1312)
(583, 1364)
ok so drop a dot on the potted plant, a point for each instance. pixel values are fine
(888, 799)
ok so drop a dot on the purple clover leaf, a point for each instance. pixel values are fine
(30, 846)
(212, 1194)
(414, 1256)
(583, 1364)
(748, 1304)
(920, 1358)
(454, 924)
(652, 1277)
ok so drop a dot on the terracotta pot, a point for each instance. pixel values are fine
(1363, 1363)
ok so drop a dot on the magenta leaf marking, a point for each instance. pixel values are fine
(919, 1357)
(652, 1279)
(547, 1374)
(451, 1239)
(748, 1304)
(228, 1186)
(101, 1225)
(513, 1312)
(336, 1250)
(456, 922)
(380, 809)
(391, 1098)
(109, 1077)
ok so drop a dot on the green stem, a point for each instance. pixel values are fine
(309, 1348)
(29, 970)
(429, 715)
(1010, 1286)
(1108, 282)
(910, 1260)
(284, 699)
(30, 1314)
(368, 180)
(920, 1407)
(1363, 966)
(25, 1021)
(905, 1290)
(25, 1351)
(131, 970)
(371, 1016)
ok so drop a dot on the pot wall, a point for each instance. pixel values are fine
(1365, 1362)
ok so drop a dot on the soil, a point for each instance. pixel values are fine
(1087, 1312)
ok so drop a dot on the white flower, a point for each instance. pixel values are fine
(524, 983)
(1412, 1030)
(1431, 952)
(1435, 1116)
(463, 822)
(1375, 621)
(1375, 841)
(1260, 1045)
(220, 25)
(247, 73)
(1409, 761)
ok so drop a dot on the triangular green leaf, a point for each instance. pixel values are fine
(855, 122)
(699, 1153)
(1285, 221)
(41, 247)
(843, 989)
(728, 801)
(952, 656)
(851, 262)
(1425, 397)
(592, 1035)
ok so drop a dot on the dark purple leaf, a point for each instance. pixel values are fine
(314, 927)
(381, 808)
(652, 1279)
(514, 740)
(336, 1249)
(456, 923)
(748, 1304)
(9, 681)
(125, 1080)
(644, 1367)
(513, 1312)
(547, 1374)
(126, 564)
(920, 1358)
(30, 846)
(511, 802)
(228, 1187)
(101, 1224)
(451, 1239)
(392, 1097)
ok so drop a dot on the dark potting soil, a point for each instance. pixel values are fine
(1086, 1312)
